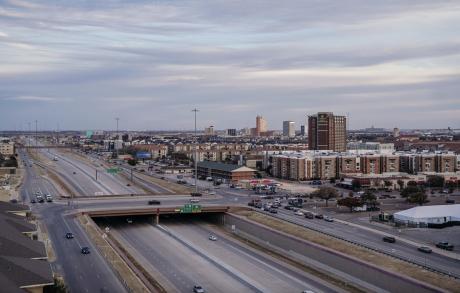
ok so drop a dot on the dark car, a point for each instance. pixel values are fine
(69, 235)
(198, 289)
(450, 201)
(154, 202)
(85, 250)
(309, 215)
(319, 216)
(273, 211)
(424, 249)
(195, 194)
(288, 207)
(389, 239)
(74, 172)
(33, 201)
(445, 245)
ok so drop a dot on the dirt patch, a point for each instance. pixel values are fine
(125, 274)
(171, 186)
(380, 260)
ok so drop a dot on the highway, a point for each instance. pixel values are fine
(186, 257)
(82, 273)
(374, 240)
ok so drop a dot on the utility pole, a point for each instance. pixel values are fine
(28, 137)
(36, 137)
(196, 154)
(115, 145)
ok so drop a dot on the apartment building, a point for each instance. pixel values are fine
(7, 148)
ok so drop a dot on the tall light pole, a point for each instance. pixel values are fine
(29, 134)
(36, 137)
(196, 153)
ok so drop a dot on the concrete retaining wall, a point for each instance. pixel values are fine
(358, 269)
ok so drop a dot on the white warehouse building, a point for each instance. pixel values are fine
(431, 216)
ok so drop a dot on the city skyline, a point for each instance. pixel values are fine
(151, 63)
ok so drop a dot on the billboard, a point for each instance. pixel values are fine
(143, 155)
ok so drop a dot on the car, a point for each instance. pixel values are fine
(450, 201)
(154, 202)
(328, 219)
(389, 239)
(33, 201)
(127, 184)
(74, 172)
(212, 193)
(194, 200)
(69, 235)
(198, 289)
(273, 211)
(212, 237)
(424, 249)
(129, 220)
(49, 198)
(85, 250)
(195, 194)
(288, 207)
(309, 215)
(445, 245)
(319, 216)
(298, 213)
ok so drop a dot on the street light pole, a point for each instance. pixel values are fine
(196, 154)
(115, 145)
(36, 137)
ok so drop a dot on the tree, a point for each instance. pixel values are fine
(435, 181)
(355, 184)
(332, 180)
(387, 183)
(400, 183)
(326, 193)
(132, 162)
(350, 202)
(369, 198)
(412, 183)
(419, 197)
(406, 192)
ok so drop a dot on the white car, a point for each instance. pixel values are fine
(194, 200)
(212, 193)
(298, 213)
(212, 238)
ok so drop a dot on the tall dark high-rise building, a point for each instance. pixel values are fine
(302, 130)
(327, 132)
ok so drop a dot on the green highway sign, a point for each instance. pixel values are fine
(113, 170)
(191, 208)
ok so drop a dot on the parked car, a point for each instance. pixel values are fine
(445, 245)
(309, 215)
(424, 249)
(198, 289)
(298, 213)
(273, 211)
(328, 219)
(85, 250)
(389, 239)
(69, 235)
(288, 207)
(33, 201)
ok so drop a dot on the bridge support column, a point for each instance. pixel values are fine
(156, 219)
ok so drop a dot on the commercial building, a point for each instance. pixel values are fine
(231, 132)
(261, 125)
(226, 172)
(327, 132)
(7, 148)
(289, 128)
(209, 130)
(436, 216)
(302, 130)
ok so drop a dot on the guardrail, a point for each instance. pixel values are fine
(368, 246)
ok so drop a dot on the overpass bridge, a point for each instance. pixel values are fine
(155, 212)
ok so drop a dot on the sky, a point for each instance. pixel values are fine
(81, 64)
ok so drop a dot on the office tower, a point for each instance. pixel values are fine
(231, 132)
(327, 132)
(302, 130)
(209, 130)
(289, 128)
(261, 125)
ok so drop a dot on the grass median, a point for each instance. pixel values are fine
(380, 260)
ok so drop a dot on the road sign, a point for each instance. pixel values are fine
(190, 208)
(113, 170)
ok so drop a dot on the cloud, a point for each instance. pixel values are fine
(34, 99)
